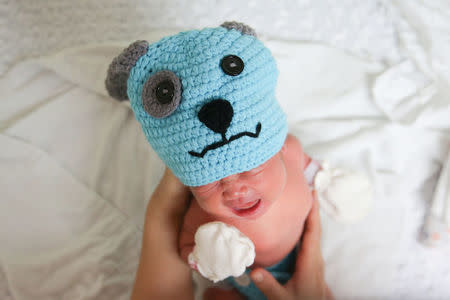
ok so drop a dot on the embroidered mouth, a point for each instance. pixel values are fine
(225, 141)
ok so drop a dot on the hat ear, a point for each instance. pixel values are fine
(244, 29)
(120, 67)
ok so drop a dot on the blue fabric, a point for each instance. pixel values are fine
(195, 56)
(282, 272)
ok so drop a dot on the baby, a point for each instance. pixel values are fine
(269, 204)
(259, 203)
(205, 100)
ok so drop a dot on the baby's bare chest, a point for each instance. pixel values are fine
(278, 234)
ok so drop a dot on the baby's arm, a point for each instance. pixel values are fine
(345, 195)
(309, 166)
(293, 143)
(193, 219)
(186, 243)
(306, 160)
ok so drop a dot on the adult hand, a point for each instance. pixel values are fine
(308, 280)
(162, 274)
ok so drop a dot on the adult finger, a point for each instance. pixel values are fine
(313, 230)
(167, 207)
(170, 185)
(268, 284)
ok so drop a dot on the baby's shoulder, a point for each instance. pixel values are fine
(293, 151)
(293, 144)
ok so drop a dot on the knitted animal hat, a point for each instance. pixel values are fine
(205, 100)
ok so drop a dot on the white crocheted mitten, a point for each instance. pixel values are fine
(345, 195)
(221, 251)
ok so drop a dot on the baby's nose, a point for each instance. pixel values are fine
(235, 193)
(234, 189)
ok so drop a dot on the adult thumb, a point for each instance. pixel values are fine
(268, 284)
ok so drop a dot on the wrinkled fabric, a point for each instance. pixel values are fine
(76, 172)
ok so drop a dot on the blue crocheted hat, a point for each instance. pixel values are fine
(205, 100)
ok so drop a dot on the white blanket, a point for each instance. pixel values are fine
(76, 171)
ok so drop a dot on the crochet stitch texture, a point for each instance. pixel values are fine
(195, 57)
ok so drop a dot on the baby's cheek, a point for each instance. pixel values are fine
(203, 204)
(210, 205)
(275, 183)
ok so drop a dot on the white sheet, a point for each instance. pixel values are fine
(34, 28)
(76, 171)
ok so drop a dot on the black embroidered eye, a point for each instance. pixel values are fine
(164, 92)
(232, 65)
(161, 94)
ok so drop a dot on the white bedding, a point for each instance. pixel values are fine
(76, 171)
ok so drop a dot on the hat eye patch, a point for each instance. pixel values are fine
(161, 94)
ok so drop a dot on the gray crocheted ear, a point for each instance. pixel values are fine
(119, 69)
(244, 29)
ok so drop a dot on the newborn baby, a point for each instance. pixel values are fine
(258, 202)
(269, 204)
(206, 103)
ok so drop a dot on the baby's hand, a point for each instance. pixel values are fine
(221, 251)
(345, 195)
(185, 253)
(192, 262)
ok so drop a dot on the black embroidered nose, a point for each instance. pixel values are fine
(216, 115)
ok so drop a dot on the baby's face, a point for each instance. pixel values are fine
(246, 195)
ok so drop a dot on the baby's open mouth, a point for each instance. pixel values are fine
(225, 141)
(248, 209)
